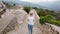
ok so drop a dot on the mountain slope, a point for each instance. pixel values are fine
(22, 3)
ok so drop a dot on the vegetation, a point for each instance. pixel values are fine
(48, 16)
(27, 9)
(49, 19)
(41, 12)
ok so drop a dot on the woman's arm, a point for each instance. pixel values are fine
(33, 19)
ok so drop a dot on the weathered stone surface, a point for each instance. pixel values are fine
(8, 22)
(53, 28)
(10, 26)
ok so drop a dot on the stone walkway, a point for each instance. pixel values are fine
(22, 27)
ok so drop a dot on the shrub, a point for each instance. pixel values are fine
(49, 19)
(46, 18)
(27, 9)
(42, 20)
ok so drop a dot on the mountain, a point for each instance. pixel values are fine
(52, 6)
(22, 3)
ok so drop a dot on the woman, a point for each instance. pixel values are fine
(30, 22)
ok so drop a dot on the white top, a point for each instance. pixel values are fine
(31, 20)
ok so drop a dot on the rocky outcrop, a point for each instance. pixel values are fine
(2, 8)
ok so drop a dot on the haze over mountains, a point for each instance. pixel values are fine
(52, 6)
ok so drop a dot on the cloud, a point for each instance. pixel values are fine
(37, 1)
(33, 1)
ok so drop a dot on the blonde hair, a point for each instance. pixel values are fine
(31, 12)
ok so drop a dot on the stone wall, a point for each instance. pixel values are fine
(52, 29)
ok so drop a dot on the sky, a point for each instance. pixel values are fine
(37, 1)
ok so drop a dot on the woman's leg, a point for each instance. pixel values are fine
(30, 28)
